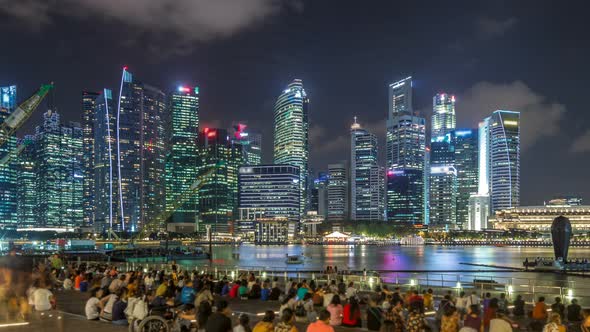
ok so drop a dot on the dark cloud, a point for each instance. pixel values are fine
(164, 23)
(489, 28)
(539, 117)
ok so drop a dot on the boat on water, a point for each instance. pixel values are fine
(295, 259)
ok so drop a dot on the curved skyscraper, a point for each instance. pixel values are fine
(291, 146)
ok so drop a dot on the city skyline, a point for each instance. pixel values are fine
(473, 66)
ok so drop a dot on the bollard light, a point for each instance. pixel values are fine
(233, 275)
(510, 289)
(412, 282)
(458, 284)
(570, 293)
(264, 275)
(371, 281)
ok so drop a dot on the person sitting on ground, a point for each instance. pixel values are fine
(473, 317)
(42, 297)
(574, 312)
(302, 290)
(220, 320)
(540, 310)
(255, 290)
(243, 290)
(518, 310)
(415, 322)
(203, 295)
(374, 315)
(490, 312)
(187, 294)
(429, 299)
(78, 280)
(554, 323)
(275, 293)
(288, 303)
(234, 289)
(350, 291)
(322, 324)
(203, 313)
(287, 323)
(585, 326)
(119, 307)
(558, 307)
(264, 292)
(351, 314)
(501, 323)
(267, 322)
(450, 319)
(92, 308)
(243, 324)
(318, 297)
(335, 308)
(328, 295)
(68, 284)
(116, 284)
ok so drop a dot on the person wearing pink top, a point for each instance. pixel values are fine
(335, 309)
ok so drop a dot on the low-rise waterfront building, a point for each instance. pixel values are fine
(539, 218)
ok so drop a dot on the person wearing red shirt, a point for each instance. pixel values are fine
(351, 315)
(78, 280)
(233, 291)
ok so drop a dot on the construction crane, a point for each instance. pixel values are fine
(201, 180)
(18, 117)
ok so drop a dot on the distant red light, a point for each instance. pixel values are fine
(211, 134)
(206, 130)
(125, 68)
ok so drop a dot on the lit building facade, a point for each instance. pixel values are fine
(443, 114)
(218, 197)
(251, 143)
(539, 218)
(338, 187)
(291, 127)
(443, 197)
(59, 173)
(268, 194)
(404, 196)
(406, 151)
(26, 184)
(183, 160)
(88, 121)
(8, 174)
(366, 177)
(504, 160)
(465, 142)
(106, 195)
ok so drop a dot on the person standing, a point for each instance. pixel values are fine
(574, 312)
(374, 316)
(558, 307)
(519, 304)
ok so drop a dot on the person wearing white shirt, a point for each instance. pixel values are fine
(42, 298)
(350, 291)
(472, 299)
(461, 303)
(500, 324)
(92, 308)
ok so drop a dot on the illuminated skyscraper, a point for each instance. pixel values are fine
(405, 155)
(183, 161)
(366, 179)
(218, 197)
(140, 143)
(8, 175)
(88, 121)
(251, 142)
(465, 142)
(27, 184)
(443, 197)
(504, 160)
(106, 194)
(338, 200)
(291, 127)
(59, 173)
(443, 115)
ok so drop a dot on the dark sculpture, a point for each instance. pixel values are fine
(561, 233)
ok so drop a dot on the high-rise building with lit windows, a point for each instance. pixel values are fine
(291, 128)
(251, 142)
(443, 115)
(338, 189)
(366, 177)
(88, 121)
(183, 159)
(27, 184)
(59, 173)
(218, 197)
(443, 197)
(8, 174)
(141, 115)
(504, 160)
(465, 142)
(406, 148)
(106, 194)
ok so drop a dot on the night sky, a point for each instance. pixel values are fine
(530, 56)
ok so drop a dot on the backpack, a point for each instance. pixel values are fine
(300, 310)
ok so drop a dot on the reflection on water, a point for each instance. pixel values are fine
(382, 257)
